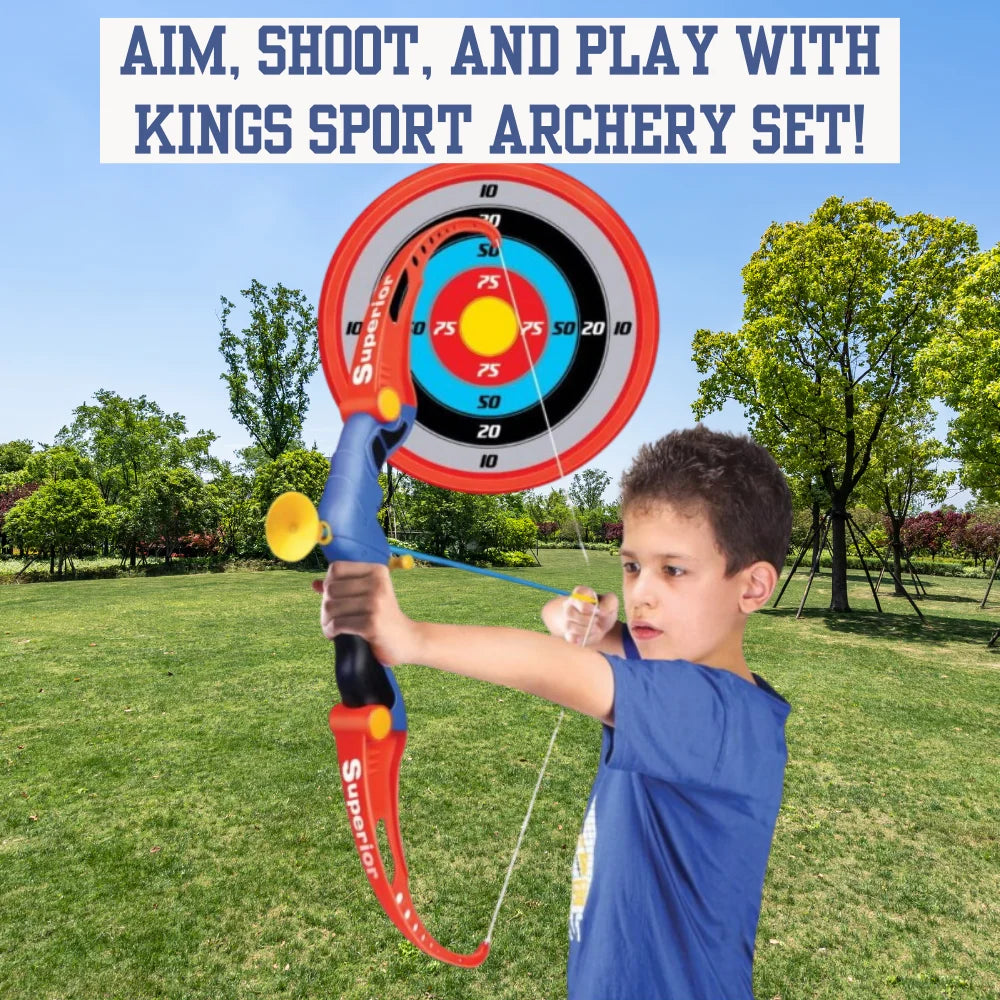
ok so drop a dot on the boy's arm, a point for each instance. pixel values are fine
(358, 598)
(577, 677)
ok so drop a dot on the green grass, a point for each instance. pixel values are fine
(171, 823)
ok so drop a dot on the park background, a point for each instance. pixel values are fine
(112, 277)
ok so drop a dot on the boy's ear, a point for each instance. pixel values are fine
(759, 580)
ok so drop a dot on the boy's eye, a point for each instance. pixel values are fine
(673, 570)
(630, 567)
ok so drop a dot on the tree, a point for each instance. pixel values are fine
(835, 312)
(231, 495)
(456, 525)
(961, 365)
(8, 498)
(62, 461)
(807, 493)
(552, 508)
(14, 456)
(902, 473)
(299, 470)
(587, 488)
(126, 439)
(981, 535)
(172, 503)
(934, 530)
(60, 518)
(269, 364)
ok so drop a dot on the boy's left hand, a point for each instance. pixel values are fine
(358, 598)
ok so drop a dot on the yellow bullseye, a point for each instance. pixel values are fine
(488, 326)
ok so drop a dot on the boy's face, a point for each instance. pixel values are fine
(679, 603)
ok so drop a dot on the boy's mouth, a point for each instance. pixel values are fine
(642, 631)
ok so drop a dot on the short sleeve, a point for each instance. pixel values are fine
(670, 719)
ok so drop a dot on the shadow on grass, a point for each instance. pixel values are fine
(933, 630)
(947, 598)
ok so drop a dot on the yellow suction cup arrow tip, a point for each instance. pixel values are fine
(400, 562)
(292, 527)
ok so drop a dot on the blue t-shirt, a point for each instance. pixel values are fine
(670, 864)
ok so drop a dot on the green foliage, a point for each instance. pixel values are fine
(62, 518)
(269, 364)
(514, 533)
(552, 506)
(14, 455)
(961, 365)
(611, 547)
(59, 462)
(587, 513)
(903, 471)
(251, 458)
(462, 525)
(303, 471)
(591, 523)
(126, 439)
(171, 503)
(238, 515)
(498, 557)
(587, 490)
(835, 312)
(451, 524)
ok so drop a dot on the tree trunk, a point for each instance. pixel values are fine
(897, 558)
(816, 528)
(132, 549)
(838, 538)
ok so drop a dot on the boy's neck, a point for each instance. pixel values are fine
(730, 657)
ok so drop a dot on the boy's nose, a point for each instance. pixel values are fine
(642, 590)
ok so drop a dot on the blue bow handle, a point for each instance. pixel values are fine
(349, 531)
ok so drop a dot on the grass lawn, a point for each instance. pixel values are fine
(171, 824)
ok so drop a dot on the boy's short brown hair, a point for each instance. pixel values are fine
(729, 478)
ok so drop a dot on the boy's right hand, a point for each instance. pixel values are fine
(583, 618)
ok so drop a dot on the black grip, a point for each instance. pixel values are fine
(361, 679)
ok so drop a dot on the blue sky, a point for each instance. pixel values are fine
(111, 275)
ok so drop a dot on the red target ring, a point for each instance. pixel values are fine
(474, 324)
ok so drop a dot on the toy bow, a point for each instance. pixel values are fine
(369, 725)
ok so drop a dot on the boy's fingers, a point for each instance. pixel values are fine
(608, 606)
(342, 570)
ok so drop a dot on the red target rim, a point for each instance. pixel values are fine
(581, 198)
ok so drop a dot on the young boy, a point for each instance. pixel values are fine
(670, 865)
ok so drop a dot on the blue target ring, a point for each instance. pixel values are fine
(519, 394)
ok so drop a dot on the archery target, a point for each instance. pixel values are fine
(555, 329)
